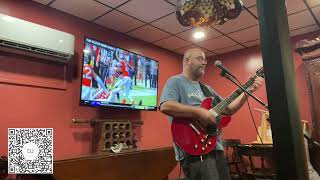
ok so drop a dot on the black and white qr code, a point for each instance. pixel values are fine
(30, 150)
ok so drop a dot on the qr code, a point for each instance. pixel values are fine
(30, 150)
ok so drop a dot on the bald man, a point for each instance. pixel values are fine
(182, 97)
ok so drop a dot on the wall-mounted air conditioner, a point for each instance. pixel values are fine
(23, 37)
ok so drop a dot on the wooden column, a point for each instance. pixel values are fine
(310, 52)
(281, 90)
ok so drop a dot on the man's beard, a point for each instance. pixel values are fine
(199, 72)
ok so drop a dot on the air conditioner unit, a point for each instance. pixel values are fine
(23, 37)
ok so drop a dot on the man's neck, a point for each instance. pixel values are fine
(191, 77)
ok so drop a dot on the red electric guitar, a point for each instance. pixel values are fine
(197, 141)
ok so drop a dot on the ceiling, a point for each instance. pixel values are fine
(154, 21)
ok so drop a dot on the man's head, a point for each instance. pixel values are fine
(194, 62)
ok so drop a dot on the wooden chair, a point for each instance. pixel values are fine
(234, 162)
(3, 167)
(257, 154)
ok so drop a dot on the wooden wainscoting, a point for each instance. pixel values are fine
(154, 164)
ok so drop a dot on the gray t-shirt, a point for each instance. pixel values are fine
(184, 91)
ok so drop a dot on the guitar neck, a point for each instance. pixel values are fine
(223, 104)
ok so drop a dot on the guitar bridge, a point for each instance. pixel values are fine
(194, 128)
(212, 130)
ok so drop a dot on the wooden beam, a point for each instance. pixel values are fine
(286, 128)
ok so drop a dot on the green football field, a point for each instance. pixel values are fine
(147, 100)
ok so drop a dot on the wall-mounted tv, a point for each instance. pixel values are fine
(117, 78)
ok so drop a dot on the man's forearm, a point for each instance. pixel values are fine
(175, 109)
(235, 105)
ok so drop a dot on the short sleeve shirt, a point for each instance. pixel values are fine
(184, 91)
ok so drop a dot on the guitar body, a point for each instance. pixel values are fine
(193, 139)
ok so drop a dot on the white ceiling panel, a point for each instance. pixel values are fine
(245, 35)
(249, 3)
(295, 6)
(313, 3)
(254, 10)
(113, 3)
(204, 50)
(316, 12)
(304, 30)
(292, 7)
(45, 2)
(229, 49)
(84, 9)
(131, 17)
(183, 49)
(217, 43)
(209, 33)
(244, 20)
(170, 24)
(148, 33)
(209, 55)
(172, 43)
(252, 43)
(173, 1)
(300, 19)
(118, 21)
(147, 10)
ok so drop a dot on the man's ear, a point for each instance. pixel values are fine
(188, 60)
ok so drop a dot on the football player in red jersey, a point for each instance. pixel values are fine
(86, 82)
(87, 89)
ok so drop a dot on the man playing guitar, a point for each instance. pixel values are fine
(181, 98)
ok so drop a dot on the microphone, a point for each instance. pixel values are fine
(224, 71)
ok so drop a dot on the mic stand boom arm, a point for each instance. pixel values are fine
(226, 75)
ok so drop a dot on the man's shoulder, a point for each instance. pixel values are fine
(211, 89)
(175, 78)
(207, 86)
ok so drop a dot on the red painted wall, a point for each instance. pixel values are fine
(36, 93)
(244, 63)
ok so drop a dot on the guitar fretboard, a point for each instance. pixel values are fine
(223, 104)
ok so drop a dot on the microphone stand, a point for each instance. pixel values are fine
(312, 141)
(231, 78)
(228, 76)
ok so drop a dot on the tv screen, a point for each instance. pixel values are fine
(114, 77)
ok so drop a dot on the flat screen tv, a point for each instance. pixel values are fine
(117, 78)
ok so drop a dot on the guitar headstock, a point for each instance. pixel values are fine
(260, 72)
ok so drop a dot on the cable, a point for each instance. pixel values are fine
(179, 170)
(253, 120)
(238, 83)
(313, 142)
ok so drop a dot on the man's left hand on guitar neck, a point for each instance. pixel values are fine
(256, 84)
(237, 103)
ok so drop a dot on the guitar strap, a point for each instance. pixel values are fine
(211, 129)
(205, 90)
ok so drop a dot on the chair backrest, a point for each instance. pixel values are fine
(256, 153)
(230, 146)
(231, 142)
(3, 167)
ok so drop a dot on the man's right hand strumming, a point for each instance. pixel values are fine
(204, 117)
